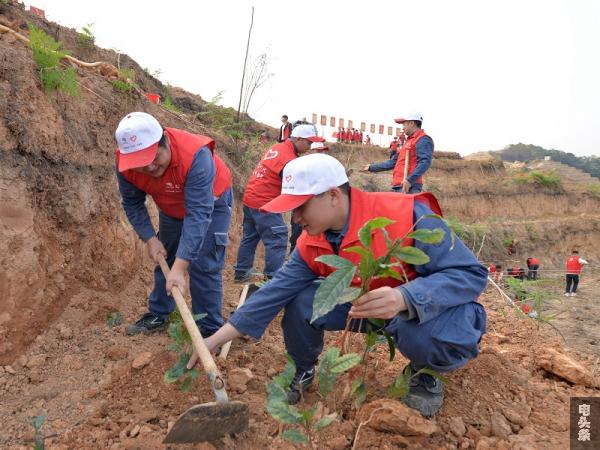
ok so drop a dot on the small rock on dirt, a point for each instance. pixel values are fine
(36, 361)
(338, 443)
(500, 427)
(141, 360)
(565, 367)
(239, 378)
(9, 369)
(395, 417)
(134, 431)
(116, 353)
(457, 426)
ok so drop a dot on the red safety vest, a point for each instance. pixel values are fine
(573, 265)
(394, 145)
(168, 190)
(265, 182)
(409, 145)
(533, 262)
(492, 268)
(367, 206)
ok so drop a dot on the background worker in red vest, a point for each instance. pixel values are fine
(285, 129)
(434, 318)
(192, 188)
(368, 140)
(420, 150)
(356, 136)
(394, 145)
(574, 264)
(533, 264)
(263, 186)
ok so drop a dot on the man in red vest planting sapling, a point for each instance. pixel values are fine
(433, 318)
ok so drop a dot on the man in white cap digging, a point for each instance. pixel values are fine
(191, 186)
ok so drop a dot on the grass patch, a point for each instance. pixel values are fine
(547, 179)
(47, 54)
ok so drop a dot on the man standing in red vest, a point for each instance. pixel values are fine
(192, 188)
(533, 265)
(284, 130)
(263, 186)
(419, 147)
(574, 264)
(434, 317)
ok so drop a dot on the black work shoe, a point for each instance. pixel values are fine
(300, 384)
(147, 324)
(425, 394)
(242, 278)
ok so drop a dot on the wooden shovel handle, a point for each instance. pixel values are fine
(225, 349)
(198, 344)
(406, 159)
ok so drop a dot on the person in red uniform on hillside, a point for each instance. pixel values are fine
(574, 264)
(533, 264)
(284, 130)
(191, 186)
(263, 186)
(419, 147)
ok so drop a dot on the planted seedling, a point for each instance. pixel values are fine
(38, 438)
(308, 421)
(182, 346)
(114, 319)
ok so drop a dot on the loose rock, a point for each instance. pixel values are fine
(395, 417)
(141, 360)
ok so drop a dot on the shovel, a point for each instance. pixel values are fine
(225, 349)
(406, 159)
(207, 421)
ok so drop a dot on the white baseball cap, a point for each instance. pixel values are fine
(137, 135)
(305, 177)
(411, 116)
(306, 131)
(319, 146)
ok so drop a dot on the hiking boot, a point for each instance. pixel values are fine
(573, 294)
(425, 394)
(300, 384)
(147, 324)
(567, 294)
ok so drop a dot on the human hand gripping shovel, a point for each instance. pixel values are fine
(206, 421)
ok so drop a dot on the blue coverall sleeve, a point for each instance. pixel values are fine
(134, 204)
(388, 164)
(451, 277)
(254, 316)
(424, 156)
(199, 204)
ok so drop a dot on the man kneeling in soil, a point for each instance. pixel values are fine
(434, 318)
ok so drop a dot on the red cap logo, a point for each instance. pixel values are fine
(133, 138)
(288, 178)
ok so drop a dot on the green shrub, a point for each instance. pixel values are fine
(594, 189)
(548, 179)
(47, 53)
(125, 86)
(168, 104)
(86, 39)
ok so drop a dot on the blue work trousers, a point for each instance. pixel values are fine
(206, 285)
(443, 343)
(272, 230)
(414, 188)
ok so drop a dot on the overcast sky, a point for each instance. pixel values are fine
(484, 74)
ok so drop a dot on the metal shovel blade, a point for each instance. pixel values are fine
(209, 421)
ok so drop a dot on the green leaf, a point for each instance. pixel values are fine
(328, 293)
(368, 267)
(389, 272)
(359, 390)
(285, 378)
(349, 295)
(371, 336)
(278, 407)
(429, 236)
(324, 376)
(308, 414)
(295, 436)
(411, 255)
(363, 252)
(176, 371)
(432, 216)
(400, 386)
(186, 386)
(334, 261)
(379, 323)
(364, 234)
(325, 421)
(433, 373)
(199, 316)
(38, 421)
(192, 373)
(391, 344)
(345, 363)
